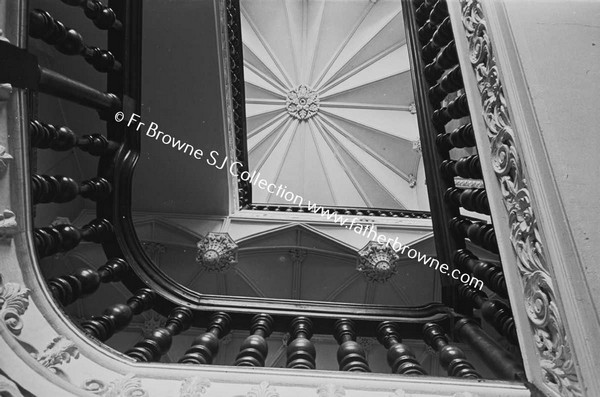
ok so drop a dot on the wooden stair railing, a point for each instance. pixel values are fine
(432, 53)
(443, 118)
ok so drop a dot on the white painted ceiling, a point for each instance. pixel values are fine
(356, 147)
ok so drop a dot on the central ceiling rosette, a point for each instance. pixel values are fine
(302, 103)
(328, 102)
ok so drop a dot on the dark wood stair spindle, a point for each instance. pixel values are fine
(103, 17)
(62, 238)
(254, 349)
(450, 83)
(118, 316)
(160, 340)
(69, 41)
(442, 36)
(452, 358)
(495, 312)
(301, 352)
(350, 355)
(446, 59)
(47, 136)
(470, 199)
(491, 275)
(500, 361)
(455, 110)
(423, 11)
(479, 233)
(460, 137)
(437, 15)
(84, 282)
(399, 356)
(206, 346)
(466, 167)
(62, 189)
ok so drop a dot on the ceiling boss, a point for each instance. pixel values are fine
(302, 102)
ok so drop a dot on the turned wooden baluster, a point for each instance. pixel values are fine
(470, 199)
(451, 82)
(206, 346)
(84, 282)
(440, 38)
(118, 316)
(437, 15)
(68, 41)
(452, 358)
(455, 110)
(159, 341)
(491, 275)
(399, 356)
(423, 11)
(495, 312)
(500, 361)
(254, 349)
(62, 189)
(446, 59)
(103, 17)
(466, 167)
(350, 355)
(301, 352)
(47, 136)
(460, 137)
(61, 238)
(479, 233)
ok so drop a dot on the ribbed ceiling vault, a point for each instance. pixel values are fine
(328, 101)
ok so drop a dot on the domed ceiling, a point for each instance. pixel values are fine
(329, 102)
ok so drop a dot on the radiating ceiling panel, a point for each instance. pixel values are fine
(258, 44)
(402, 125)
(393, 63)
(364, 170)
(390, 37)
(327, 100)
(398, 153)
(375, 21)
(250, 59)
(395, 90)
(273, 159)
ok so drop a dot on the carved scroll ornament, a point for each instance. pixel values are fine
(547, 326)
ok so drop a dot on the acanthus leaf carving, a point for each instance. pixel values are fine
(127, 386)
(14, 301)
(557, 360)
(331, 390)
(60, 350)
(194, 387)
(8, 224)
(5, 158)
(263, 390)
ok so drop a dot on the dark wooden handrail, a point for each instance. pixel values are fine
(442, 211)
(21, 69)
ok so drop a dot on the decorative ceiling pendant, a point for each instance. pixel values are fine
(378, 262)
(217, 252)
(302, 103)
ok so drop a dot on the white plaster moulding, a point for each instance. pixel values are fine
(495, 35)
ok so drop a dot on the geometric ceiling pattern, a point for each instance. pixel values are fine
(329, 102)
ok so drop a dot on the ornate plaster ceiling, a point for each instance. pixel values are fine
(329, 101)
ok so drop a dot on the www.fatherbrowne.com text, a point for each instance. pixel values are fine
(214, 159)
